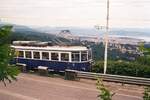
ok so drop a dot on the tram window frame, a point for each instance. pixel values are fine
(22, 56)
(74, 54)
(53, 58)
(26, 56)
(45, 58)
(63, 58)
(84, 55)
(36, 56)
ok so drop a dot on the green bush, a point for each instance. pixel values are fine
(144, 60)
(104, 93)
(146, 94)
(123, 68)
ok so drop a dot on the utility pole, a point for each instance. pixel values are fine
(106, 38)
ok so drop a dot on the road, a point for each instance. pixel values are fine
(34, 87)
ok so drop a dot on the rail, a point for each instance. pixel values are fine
(111, 78)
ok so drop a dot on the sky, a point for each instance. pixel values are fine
(80, 13)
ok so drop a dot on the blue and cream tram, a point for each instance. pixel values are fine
(56, 58)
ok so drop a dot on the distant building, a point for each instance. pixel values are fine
(68, 35)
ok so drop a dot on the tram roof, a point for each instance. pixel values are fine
(52, 48)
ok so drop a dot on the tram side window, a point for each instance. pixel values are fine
(36, 55)
(28, 54)
(45, 55)
(84, 56)
(20, 54)
(75, 56)
(54, 56)
(64, 57)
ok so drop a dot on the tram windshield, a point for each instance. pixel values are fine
(89, 55)
(84, 56)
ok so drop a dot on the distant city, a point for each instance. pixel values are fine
(125, 40)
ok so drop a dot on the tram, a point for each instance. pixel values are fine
(56, 58)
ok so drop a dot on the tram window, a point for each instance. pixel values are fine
(64, 57)
(84, 56)
(75, 56)
(45, 55)
(20, 54)
(36, 55)
(28, 54)
(54, 56)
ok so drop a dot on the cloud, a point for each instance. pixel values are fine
(72, 12)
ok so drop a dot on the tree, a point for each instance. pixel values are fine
(145, 60)
(145, 51)
(7, 72)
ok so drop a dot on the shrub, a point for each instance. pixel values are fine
(123, 68)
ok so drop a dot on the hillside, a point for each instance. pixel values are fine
(28, 34)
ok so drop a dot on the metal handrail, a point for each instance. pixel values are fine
(112, 78)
